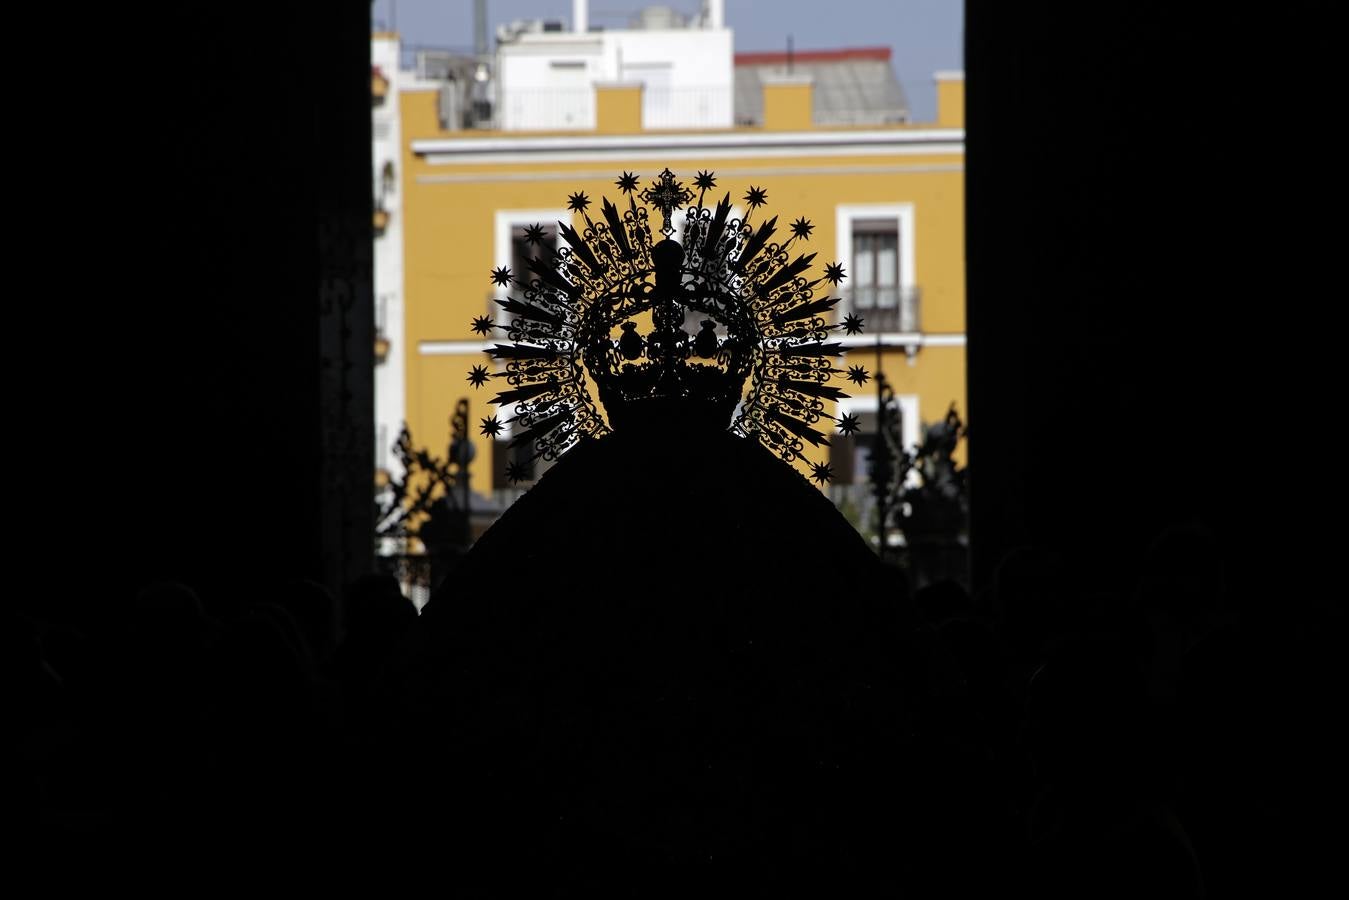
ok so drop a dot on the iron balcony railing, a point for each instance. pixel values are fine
(884, 309)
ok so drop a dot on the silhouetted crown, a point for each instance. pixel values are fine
(668, 328)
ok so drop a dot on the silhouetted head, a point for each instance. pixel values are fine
(170, 604)
(942, 600)
(1086, 715)
(981, 657)
(165, 632)
(1183, 572)
(376, 608)
(22, 647)
(289, 628)
(255, 665)
(1029, 598)
(314, 610)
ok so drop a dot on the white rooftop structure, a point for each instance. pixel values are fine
(546, 76)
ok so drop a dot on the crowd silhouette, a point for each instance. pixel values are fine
(735, 707)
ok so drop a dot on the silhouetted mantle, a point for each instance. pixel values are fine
(661, 510)
(670, 629)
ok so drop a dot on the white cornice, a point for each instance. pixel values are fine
(757, 171)
(889, 340)
(580, 148)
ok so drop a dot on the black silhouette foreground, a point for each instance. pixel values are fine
(673, 667)
(698, 674)
(660, 694)
(1242, 667)
(673, 660)
(668, 664)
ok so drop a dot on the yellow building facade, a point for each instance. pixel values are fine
(887, 202)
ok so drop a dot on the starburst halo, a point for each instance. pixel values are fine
(753, 348)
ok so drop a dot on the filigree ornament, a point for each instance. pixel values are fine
(669, 331)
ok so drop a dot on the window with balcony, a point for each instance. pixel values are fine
(875, 274)
(877, 250)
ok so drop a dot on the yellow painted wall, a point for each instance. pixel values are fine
(788, 107)
(449, 223)
(951, 102)
(618, 109)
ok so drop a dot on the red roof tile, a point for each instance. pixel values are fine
(809, 56)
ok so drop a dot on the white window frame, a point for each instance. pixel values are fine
(910, 426)
(847, 215)
(506, 219)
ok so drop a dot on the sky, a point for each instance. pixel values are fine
(925, 36)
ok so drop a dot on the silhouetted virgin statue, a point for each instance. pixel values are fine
(673, 649)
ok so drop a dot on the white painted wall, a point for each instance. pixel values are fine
(546, 79)
(390, 408)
